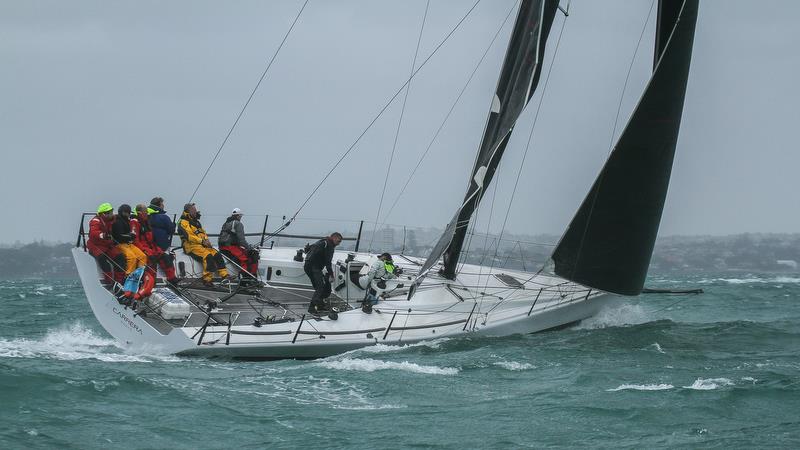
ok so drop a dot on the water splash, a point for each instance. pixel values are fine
(73, 343)
(616, 316)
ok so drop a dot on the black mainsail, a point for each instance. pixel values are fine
(610, 240)
(519, 77)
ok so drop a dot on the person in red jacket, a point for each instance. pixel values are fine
(144, 241)
(103, 247)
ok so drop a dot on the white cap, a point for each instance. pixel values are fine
(236, 211)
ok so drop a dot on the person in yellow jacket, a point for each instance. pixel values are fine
(196, 244)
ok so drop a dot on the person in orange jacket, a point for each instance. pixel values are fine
(196, 244)
(143, 240)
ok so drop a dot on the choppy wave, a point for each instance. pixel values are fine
(707, 384)
(641, 387)
(655, 346)
(515, 366)
(73, 343)
(371, 365)
(385, 348)
(751, 280)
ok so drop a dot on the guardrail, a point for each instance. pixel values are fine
(82, 233)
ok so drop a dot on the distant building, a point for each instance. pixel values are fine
(386, 236)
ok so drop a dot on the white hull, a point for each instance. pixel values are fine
(477, 303)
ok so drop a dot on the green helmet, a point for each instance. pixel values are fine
(104, 207)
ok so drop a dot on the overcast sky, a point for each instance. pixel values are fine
(120, 101)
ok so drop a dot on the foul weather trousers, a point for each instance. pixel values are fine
(212, 260)
(134, 258)
(248, 260)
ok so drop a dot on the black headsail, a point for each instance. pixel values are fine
(516, 85)
(610, 240)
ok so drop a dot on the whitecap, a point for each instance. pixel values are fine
(43, 288)
(708, 384)
(32, 432)
(615, 316)
(741, 280)
(750, 379)
(655, 346)
(74, 343)
(371, 365)
(388, 348)
(641, 387)
(513, 365)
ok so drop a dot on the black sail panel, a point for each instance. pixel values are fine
(667, 16)
(610, 240)
(517, 83)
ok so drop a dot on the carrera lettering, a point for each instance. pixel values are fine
(127, 321)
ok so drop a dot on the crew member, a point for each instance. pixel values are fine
(232, 241)
(160, 223)
(123, 235)
(196, 244)
(319, 256)
(101, 246)
(381, 271)
(143, 240)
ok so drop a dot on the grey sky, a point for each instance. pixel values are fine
(121, 101)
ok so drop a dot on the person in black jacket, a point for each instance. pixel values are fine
(123, 235)
(319, 255)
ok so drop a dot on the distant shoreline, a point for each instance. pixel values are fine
(740, 253)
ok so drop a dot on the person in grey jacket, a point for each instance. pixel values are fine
(233, 243)
(383, 269)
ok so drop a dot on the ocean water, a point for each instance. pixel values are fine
(721, 369)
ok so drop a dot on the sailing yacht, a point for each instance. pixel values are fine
(603, 254)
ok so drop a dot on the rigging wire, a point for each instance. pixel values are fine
(238, 117)
(527, 145)
(399, 123)
(447, 116)
(380, 113)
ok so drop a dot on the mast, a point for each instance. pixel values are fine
(609, 242)
(516, 85)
